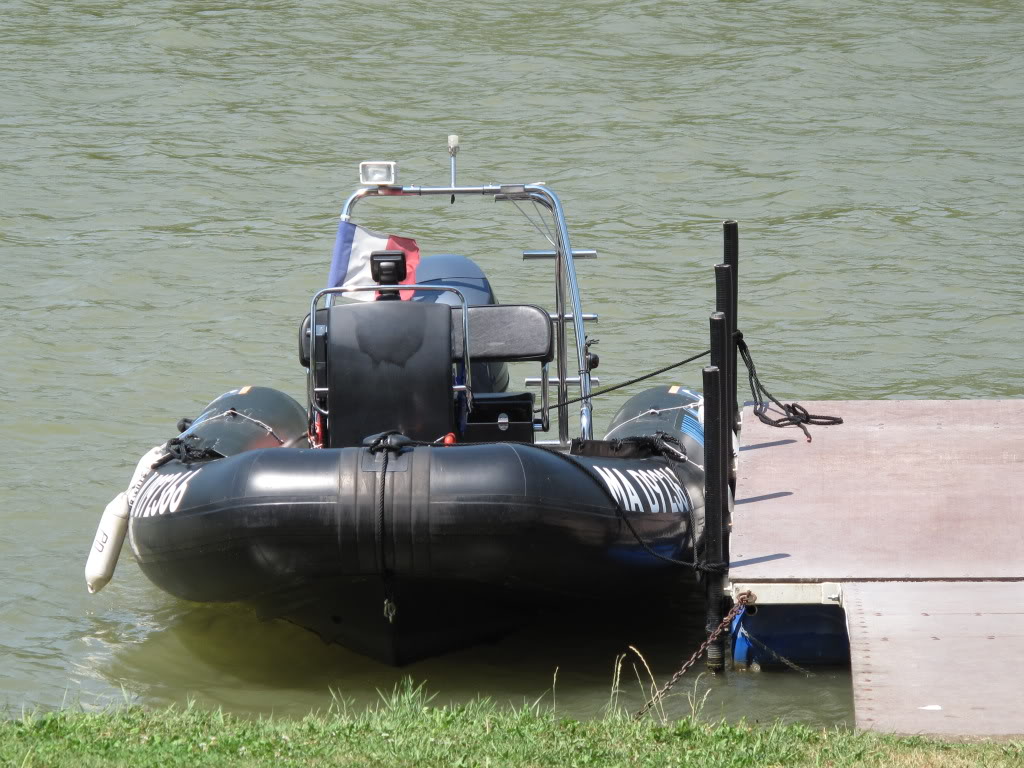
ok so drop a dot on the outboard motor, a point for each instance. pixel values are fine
(463, 273)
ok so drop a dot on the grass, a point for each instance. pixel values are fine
(405, 729)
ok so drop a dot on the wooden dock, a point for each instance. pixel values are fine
(911, 516)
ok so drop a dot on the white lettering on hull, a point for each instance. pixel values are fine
(161, 494)
(614, 487)
(659, 488)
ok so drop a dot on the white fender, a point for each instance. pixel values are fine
(107, 545)
(734, 457)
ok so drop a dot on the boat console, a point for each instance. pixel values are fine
(356, 352)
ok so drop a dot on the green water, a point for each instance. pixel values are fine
(169, 183)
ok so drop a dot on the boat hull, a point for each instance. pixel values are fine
(470, 540)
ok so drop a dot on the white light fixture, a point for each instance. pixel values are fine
(378, 173)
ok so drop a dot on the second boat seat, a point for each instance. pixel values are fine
(504, 332)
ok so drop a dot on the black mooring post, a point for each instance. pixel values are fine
(721, 346)
(731, 256)
(726, 359)
(714, 486)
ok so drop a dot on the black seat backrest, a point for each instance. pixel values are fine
(389, 366)
(505, 332)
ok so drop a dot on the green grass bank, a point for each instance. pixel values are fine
(406, 730)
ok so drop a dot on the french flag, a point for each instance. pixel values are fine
(350, 264)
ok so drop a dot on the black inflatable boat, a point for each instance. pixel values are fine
(409, 507)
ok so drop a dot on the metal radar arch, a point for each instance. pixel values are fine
(380, 179)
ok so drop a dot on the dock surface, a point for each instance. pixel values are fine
(915, 509)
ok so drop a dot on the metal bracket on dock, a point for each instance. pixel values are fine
(791, 593)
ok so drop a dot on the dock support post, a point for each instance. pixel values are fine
(716, 432)
(722, 345)
(731, 257)
(725, 359)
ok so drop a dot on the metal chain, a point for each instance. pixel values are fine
(741, 603)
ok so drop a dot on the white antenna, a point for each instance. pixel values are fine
(453, 150)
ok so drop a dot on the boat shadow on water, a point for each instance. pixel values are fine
(194, 649)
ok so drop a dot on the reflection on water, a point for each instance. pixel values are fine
(220, 655)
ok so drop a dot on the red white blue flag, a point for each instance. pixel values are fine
(350, 264)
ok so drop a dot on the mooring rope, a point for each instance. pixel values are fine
(636, 380)
(775, 654)
(795, 413)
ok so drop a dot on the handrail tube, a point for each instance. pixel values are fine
(563, 373)
(589, 317)
(546, 197)
(545, 406)
(412, 191)
(559, 320)
(534, 381)
(569, 267)
(578, 253)
(559, 317)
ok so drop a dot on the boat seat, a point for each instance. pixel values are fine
(389, 366)
(497, 333)
(507, 333)
(504, 333)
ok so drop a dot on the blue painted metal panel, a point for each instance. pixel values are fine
(804, 634)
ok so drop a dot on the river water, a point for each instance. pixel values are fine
(170, 181)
